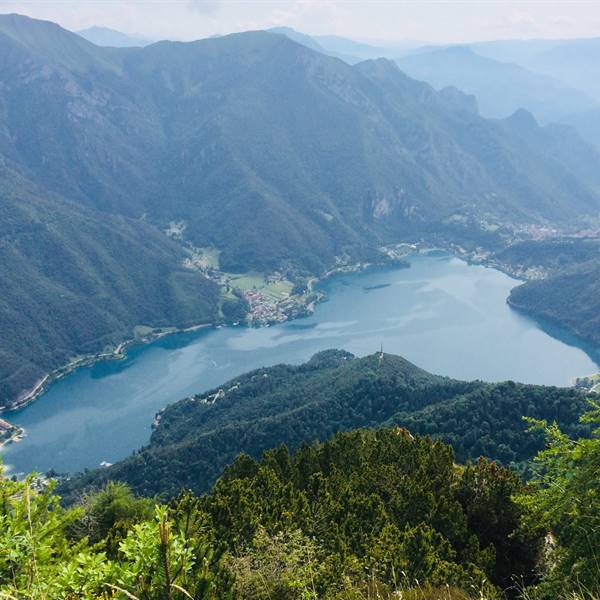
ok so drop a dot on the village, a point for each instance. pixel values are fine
(9, 433)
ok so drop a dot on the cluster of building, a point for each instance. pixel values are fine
(8, 432)
(261, 309)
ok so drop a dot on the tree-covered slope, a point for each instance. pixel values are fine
(268, 150)
(378, 513)
(568, 294)
(334, 391)
(75, 281)
(366, 514)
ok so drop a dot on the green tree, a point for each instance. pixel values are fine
(567, 502)
(486, 490)
(107, 515)
(33, 540)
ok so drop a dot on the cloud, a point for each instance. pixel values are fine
(205, 7)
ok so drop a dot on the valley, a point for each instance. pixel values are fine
(440, 313)
(202, 156)
(288, 316)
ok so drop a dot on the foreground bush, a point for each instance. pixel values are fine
(376, 514)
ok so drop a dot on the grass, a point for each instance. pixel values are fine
(273, 291)
(247, 281)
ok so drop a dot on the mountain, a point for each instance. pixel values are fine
(76, 282)
(219, 134)
(587, 123)
(500, 88)
(350, 51)
(575, 62)
(335, 391)
(568, 294)
(360, 50)
(273, 154)
(104, 36)
(301, 38)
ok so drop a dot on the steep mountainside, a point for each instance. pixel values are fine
(268, 150)
(75, 281)
(334, 391)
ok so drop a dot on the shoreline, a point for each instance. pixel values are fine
(15, 438)
(14, 433)
(119, 353)
(27, 397)
(393, 255)
(146, 336)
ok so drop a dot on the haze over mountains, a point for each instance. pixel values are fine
(556, 80)
(276, 155)
(500, 88)
(104, 36)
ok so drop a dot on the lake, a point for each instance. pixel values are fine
(443, 314)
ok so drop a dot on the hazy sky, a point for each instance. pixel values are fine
(384, 20)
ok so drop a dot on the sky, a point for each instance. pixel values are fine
(383, 21)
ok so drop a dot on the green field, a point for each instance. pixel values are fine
(274, 291)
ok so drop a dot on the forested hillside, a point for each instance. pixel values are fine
(334, 391)
(568, 294)
(368, 514)
(75, 281)
(216, 131)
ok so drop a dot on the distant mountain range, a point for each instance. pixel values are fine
(500, 88)
(345, 49)
(576, 62)
(553, 79)
(556, 80)
(103, 36)
(276, 155)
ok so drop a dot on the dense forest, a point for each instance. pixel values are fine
(124, 273)
(369, 514)
(334, 391)
(568, 294)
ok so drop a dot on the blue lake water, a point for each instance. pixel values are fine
(444, 315)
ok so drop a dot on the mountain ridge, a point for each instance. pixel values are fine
(105, 36)
(193, 439)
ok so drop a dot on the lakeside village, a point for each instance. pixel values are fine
(259, 299)
(9, 432)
